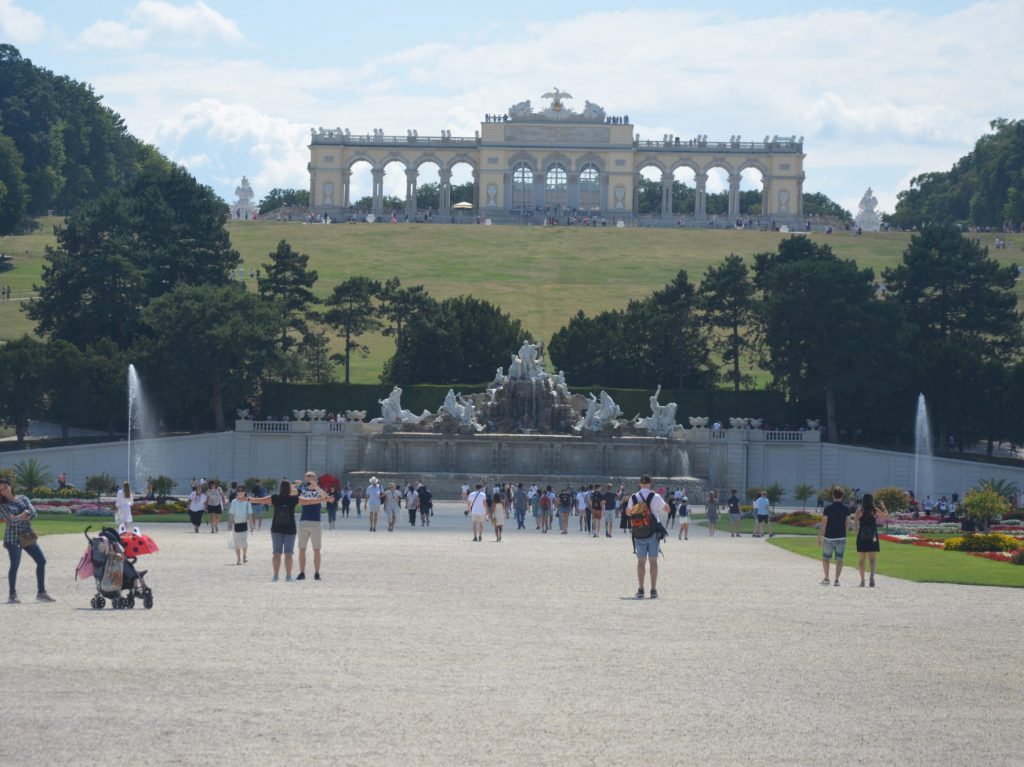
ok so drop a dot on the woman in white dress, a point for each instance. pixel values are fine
(240, 518)
(123, 507)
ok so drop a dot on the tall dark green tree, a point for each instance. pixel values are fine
(459, 340)
(396, 307)
(277, 198)
(13, 191)
(24, 369)
(962, 307)
(288, 281)
(826, 338)
(352, 313)
(726, 296)
(592, 350)
(125, 248)
(207, 349)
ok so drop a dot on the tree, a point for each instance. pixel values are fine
(316, 357)
(592, 350)
(288, 282)
(24, 366)
(208, 347)
(428, 196)
(983, 504)
(31, 474)
(824, 336)
(351, 312)
(461, 339)
(125, 248)
(277, 198)
(775, 493)
(13, 190)
(803, 492)
(962, 308)
(818, 204)
(397, 306)
(726, 296)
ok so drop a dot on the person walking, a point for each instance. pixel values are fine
(392, 503)
(215, 504)
(123, 507)
(412, 503)
(583, 507)
(835, 520)
(735, 514)
(533, 498)
(196, 506)
(761, 508)
(476, 510)
(647, 532)
(358, 495)
(564, 509)
(519, 503)
(346, 499)
(711, 509)
(374, 498)
(867, 517)
(18, 513)
(611, 505)
(684, 518)
(333, 496)
(498, 517)
(240, 518)
(426, 505)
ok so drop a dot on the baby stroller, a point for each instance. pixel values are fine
(115, 571)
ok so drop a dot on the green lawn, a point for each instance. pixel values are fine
(56, 524)
(747, 527)
(918, 563)
(540, 275)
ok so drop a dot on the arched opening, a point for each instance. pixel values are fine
(751, 196)
(394, 190)
(360, 189)
(717, 199)
(462, 189)
(428, 190)
(648, 193)
(556, 187)
(522, 187)
(590, 188)
(684, 192)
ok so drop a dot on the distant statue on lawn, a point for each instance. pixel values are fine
(244, 208)
(867, 220)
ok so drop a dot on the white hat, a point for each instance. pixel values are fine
(373, 480)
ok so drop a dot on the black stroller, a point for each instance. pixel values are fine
(115, 573)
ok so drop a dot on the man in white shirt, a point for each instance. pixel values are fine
(476, 509)
(581, 505)
(373, 502)
(761, 505)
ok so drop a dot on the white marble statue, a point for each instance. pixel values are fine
(608, 411)
(662, 420)
(520, 110)
(355, 415)
(867, 220)
(499, 378)
(391, 411)
(299, 414)
(529, 362)
(243, 208)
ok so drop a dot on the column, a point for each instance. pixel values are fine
(411, 174)
(700, 205)
(476, 192)
(800, 195)
(444, 204)
(766, 196)
(378, 191)
(666, 195)
(572, 195)
(734, 197)
(636, 194)
(346, 183)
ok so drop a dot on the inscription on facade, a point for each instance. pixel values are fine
(558, 134)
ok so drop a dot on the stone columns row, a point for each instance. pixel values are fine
(700, 208)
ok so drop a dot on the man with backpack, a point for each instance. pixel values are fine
(647, 532)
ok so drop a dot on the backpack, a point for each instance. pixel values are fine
(545, 501)
(641, 521)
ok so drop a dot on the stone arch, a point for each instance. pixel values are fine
(686, 162)
(425, 158)
(461, 158)
(753, 162)
(648, 162)
(556, 158)
(521, 156)
(391, 157)
(590, 158)
(361, 157)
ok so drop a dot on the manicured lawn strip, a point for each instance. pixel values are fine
(57, 524)
(540, 275)
(917, 563)
(747, 527)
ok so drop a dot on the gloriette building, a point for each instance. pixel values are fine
(557, 159)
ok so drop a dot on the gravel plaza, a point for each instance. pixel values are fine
(422, 647)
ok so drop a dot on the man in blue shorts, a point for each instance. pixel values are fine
(761, 507)
(644, 507)
(835, 520)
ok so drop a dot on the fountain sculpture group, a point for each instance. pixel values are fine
(528, 400)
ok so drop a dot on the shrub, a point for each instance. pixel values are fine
(163, 486)
(97, 484)
(799, 519)
(895, 500)
(49, 492)
(1018, 557)
(30, 473)
(985, 503)
(802, 492)
(983, 542)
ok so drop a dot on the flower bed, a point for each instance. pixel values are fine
(799, 519)
(984, 542)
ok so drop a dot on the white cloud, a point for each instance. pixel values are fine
(874, 93)
(152, 21)
(18, 25)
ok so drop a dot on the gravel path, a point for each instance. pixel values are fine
(423, 647)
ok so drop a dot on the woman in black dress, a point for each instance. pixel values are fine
(867, 518)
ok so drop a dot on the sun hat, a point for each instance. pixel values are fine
(373, 480)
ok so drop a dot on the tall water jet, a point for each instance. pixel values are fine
(141, 426)
(924, 474)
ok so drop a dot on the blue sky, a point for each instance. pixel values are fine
(881, 91)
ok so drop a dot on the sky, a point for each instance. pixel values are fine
(880, 91)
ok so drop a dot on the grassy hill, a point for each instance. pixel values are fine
(541, 275)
